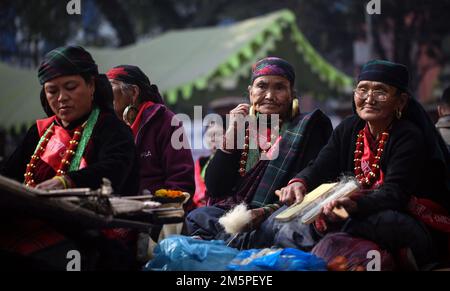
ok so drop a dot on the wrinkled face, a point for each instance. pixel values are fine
(271, 95)
(121, 100)
(69, 97)
(373, 108)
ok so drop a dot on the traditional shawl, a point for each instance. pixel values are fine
(292, 147)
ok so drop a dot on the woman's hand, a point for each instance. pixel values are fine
(237, 113)
(292, 193)
(348, 204)
(242, 109)
(51, 184)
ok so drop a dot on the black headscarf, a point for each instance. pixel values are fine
(133, 75)
(396, 75)
(74, 60)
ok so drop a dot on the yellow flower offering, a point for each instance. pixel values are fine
(164, 193)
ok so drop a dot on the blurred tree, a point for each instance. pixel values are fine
(8, 45)
(44, 24)
(114, 12)
(412, 32)
(407, 31)
(35, 22)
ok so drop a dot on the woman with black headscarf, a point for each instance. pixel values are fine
(81, 142)
(401, 163)
(75, 146)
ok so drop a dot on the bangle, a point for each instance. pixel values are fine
(69, 181)
(62, 180)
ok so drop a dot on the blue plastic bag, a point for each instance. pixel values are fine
(276, 260)
(182, 253)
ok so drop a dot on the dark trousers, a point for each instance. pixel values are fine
(391, 230)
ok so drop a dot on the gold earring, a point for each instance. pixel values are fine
(129, 114)
(252, 111)
(398, 113)
(295, 108)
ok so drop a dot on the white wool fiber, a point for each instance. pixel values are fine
(235, 220)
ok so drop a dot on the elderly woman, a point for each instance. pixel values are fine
(391, 147)
(239, 173)
(74, 147)
(138, 103)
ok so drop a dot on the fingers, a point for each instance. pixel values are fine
(44, 185)
(287, 195)
(348, 204)
(328, 208)
(298, 193)
(292, 193)
(51, 184)
(241, 109)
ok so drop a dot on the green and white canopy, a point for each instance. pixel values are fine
(194, 66)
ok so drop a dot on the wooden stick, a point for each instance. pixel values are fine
(341, 212)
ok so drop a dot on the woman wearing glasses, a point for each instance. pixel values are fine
(395, 153)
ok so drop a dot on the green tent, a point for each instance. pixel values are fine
(195, 66)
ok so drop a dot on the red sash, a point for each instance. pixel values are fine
(434, 216)
(199, 198)
(368, 158)
(57, 144)
(137, 121)
(430, 213)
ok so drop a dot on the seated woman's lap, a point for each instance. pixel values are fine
(204, 222)
(391, 230)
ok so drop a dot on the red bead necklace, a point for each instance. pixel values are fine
(245, 151)
(367, 180)
(40, 149)
(244, 154)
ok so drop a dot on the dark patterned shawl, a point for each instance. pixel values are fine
(258, 186)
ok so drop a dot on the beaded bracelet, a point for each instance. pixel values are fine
(62, 180)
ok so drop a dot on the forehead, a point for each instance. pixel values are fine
(272, 79)
(63, 80)
(374, 84)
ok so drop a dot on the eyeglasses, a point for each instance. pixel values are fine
(378, 95)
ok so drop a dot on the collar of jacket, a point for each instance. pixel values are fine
(148, 115)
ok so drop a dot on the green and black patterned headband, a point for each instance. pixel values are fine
(66, 60)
